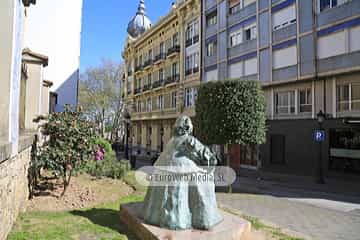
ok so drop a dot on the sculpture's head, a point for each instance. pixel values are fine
(183, 125)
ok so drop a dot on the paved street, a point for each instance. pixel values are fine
(309, 211)
(311, 221)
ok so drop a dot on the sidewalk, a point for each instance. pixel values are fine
(310, 222)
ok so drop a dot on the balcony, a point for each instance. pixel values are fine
(172, 79)
(188, 42)
(148, 63)
(137, 90)
(158, 84)
(159, 58)
(196, 39)
(192, 41)
(139, 68)
(191, 71)
(173, 51)
(146, 87)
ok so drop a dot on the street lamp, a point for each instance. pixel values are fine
(127, 118)
(321, 117)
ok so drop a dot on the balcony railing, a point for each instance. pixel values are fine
(192, 41)
(172, 79)
(188, 42)
(147, 87)
(137, 90)
(195, 39)
(159, 57)
(148, 63)
(174, 49)
(139, 68)
(158, 83)
(191, 71)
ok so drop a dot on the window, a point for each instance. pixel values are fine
(161, 75)
(348, 97)
(285, 102)
(285, 57)
(190, 97)
(211, 19)
(327, 4)
(236, 38)
(192, 33)
(173, 99)
(138, 106)
(143, 106)
(210, 49)
(284, 17)
(250, 66)
(150, 54)
(161, 102)
(192, 63)
(176, 39)
(235, 6)
(332, 45)
(174, 69)
(149, 105)
(149, 79)
(250, 32)
(305, 100)
(162, 48)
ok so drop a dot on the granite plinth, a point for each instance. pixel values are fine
(231, 228)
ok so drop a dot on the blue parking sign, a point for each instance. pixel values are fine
(319, 135)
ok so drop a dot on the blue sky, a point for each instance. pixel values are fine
(104, 27)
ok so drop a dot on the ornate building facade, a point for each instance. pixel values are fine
(163, 72)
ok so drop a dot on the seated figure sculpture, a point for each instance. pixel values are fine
(183, 205)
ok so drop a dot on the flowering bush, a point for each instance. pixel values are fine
(230, 112)
(104, 162)
(69, 142)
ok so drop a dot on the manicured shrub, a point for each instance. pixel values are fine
(230, 112)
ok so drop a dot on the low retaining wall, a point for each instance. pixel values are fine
(14, 186)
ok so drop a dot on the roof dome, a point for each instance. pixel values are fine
(140, 23)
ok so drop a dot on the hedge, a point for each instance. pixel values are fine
(230, 112)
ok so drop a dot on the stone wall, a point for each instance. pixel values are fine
(13, 187)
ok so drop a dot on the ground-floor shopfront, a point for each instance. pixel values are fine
(150, 136)
(290, 148)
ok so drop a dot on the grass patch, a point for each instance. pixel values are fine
(258, 225)
(99, 223)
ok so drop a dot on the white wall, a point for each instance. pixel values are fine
(53, 28)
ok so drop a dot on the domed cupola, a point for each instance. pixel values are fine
(140, 23)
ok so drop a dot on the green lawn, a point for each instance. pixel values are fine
(101, 222)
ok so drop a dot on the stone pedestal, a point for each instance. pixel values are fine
(231, 228)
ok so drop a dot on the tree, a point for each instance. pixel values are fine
(100, 96)
(69, 142)
(231, 112)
